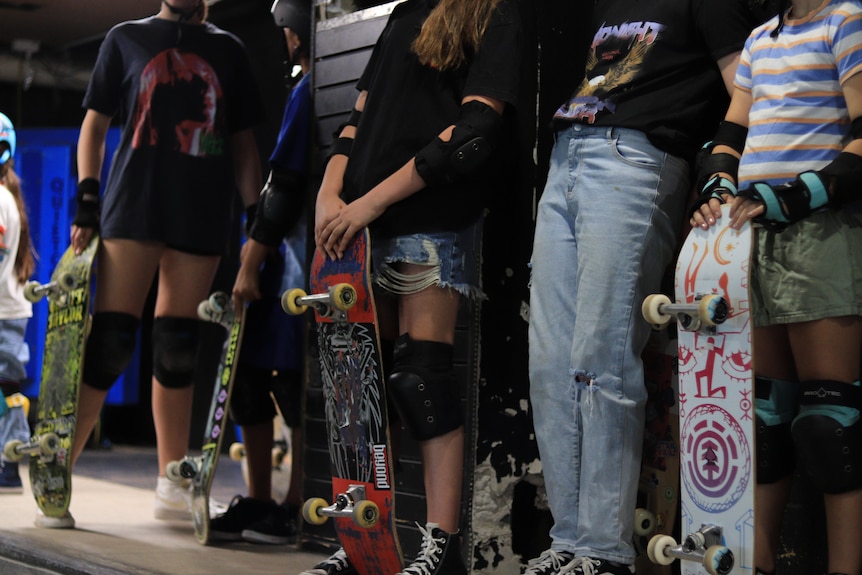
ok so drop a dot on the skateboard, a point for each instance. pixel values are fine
(200, 470)
(50, 446)
(354, 391)
(716, 401)
(658, 489)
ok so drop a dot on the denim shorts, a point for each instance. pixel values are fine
(453, 259)
(810, 271)
(14, 352)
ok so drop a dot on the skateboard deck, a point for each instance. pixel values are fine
(658, 490)
(716, 402)
(218, 308)
(53, 435)
(354, 391)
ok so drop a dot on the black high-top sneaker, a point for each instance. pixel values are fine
(440, 554)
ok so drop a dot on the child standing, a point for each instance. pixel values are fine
(16, 266)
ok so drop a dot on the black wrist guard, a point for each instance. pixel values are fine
(87, 199)
(716, 188)
(279, 208)
(250, 215)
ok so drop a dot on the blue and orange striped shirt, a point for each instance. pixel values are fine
(798, 119)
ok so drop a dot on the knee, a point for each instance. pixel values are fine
(110, 347)
(175, 343)
(828, 435)
(774, 407)
(424, 388)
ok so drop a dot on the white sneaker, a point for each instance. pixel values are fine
(173, 501)
(45, 522)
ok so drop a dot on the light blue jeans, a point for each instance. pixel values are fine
(606, 229)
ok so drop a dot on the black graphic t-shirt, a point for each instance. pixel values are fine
(652, 67)
(409, 104)
(179, 103)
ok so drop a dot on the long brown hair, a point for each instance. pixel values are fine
(453, 32)
(25, 260)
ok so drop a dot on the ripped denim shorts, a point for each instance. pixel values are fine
(453, 260)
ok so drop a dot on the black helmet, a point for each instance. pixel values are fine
(296, 15)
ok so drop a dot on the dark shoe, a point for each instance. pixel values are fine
(440, 554)
(552, 562)
(590, 566)
(10, 481)
(277, 528)
(335, 564)
(242, 512)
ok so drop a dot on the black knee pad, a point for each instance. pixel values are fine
(110, 347)
(175, 345)
(828, 435)
(250, 403)
(774, 408)
(424, 388)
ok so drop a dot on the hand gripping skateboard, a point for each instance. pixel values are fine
(218, 308)
(716, 401)
(50, 446)
(355, 404)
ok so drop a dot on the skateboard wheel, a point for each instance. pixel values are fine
(343, 296)
(204, 311)
(289, 301)
(219, 302)
(657, 549)
(712, 309)
(651, 310)
(172, 471)
(718, 560)
(32, 293)
(311, 511)
(49, 444)
(644, 522)
(365, 513)
(10, 450)
(237, 450)
(66, 282)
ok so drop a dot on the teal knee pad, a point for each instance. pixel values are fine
(774, 408)
(828, 434)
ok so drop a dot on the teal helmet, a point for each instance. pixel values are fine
(7, 135)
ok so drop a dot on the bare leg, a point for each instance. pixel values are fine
(257, 440)
(774, 360)
(184, 281)
(124, 273)
(831, 349)
(430, 315)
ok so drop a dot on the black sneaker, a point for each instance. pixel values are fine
(10, 480)
(552, 562)
(277, 528)
(335, 564)
(590, 566)
(242, 512)
(440, 554)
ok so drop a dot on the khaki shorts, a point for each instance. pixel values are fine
(810, 271)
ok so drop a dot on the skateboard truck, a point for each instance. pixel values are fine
(334, 302)
(46, 447)
(351, 504)
(35, 291)
(706, 312)
(704, 546)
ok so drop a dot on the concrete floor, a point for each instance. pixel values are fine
(117, 534)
